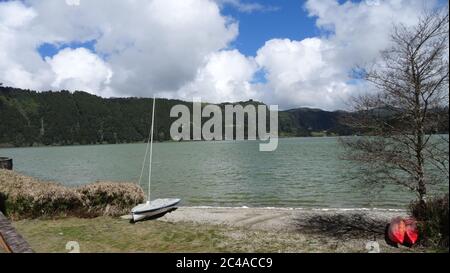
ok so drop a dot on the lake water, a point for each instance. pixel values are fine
(302, 172)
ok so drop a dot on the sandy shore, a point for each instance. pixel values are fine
(284, 220)
(309, 230)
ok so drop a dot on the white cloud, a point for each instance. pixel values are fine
(226, 76)
(298, 74)
(80, 69)
(288, 62)
(170, 46)
(180, 49)
(361, 30)
(14, 14)
(20, 63)
(316, 72)
(73, 2)
(150, 46)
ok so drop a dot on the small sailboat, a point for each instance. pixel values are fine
(152, 208)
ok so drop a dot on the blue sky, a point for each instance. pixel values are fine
(283, 19)
(50, 50)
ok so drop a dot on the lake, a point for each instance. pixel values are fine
(302, 172)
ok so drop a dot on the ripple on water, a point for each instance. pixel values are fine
(303, 172)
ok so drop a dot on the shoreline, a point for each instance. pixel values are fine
(218, 230)
(40, 145)
(296, 208)
(10, 178)
(281, 219)
(7, 146)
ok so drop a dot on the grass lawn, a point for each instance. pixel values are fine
(107, 234)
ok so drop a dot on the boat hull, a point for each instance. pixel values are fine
(154, 208)
(150, 214)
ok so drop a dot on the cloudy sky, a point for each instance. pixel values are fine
(286, 52)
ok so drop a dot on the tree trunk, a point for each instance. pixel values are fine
(419, 117)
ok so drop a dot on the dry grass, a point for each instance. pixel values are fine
(27, 197)
(110, 198)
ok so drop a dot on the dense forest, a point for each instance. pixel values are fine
(30, 118)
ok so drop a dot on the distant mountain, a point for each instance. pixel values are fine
(310, 122)
(30, 118)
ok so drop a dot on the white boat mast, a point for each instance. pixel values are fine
(151, 149)
(149, 145)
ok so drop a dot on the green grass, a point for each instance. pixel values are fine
(107, 234)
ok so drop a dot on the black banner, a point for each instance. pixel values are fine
(225, 262)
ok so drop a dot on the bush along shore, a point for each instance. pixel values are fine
(23, 197)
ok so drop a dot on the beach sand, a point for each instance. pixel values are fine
(286, 219)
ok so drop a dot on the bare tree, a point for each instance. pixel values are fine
(400, 121)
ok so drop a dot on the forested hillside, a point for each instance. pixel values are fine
(63, 118)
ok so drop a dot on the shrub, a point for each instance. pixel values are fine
(432, 218)
(26, 197)
(46, 201)
(110, 198)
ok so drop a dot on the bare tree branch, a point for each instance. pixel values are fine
(399, 121)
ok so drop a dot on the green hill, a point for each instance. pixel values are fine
(30, 118)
